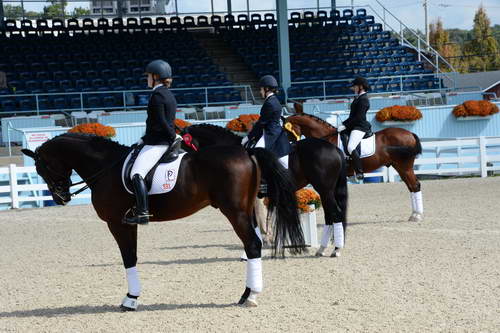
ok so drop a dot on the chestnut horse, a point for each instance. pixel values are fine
(395, 147)
(226, 178)
(312, 161)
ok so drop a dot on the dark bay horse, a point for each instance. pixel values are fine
(226, 178)
(312, 161)
(395, 147)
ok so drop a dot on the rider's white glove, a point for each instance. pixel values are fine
(177, 136)
(244, 141)
(340, 128)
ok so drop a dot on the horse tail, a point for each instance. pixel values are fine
(341, 195)
(282, 202)
(407, 151)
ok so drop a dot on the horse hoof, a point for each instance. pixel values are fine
(320, 252)
(250, 303)
(126, 308)
(418, 218)
(335, 254)
(129, 304)
(415, 217)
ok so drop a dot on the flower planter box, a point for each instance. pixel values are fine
(472, 118)
(397, 123)
(308, 223)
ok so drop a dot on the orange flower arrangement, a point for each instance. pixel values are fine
(94, 128)
(305, 198)
(243, 123)
(398, 113)
(475, 108)
(181, 124)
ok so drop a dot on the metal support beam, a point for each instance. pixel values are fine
(283, 44)
(2, 16)
(426, 8)
(334, 5)
(212, 6)
(229, 7)
(119, 8)
(176, 8)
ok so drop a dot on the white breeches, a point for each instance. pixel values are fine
(261, 143)
(148, 157)
(354, 140)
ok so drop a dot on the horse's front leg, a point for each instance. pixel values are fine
(126, 237)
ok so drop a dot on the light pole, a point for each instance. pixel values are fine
(426, 9)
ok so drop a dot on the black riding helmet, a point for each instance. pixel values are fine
(360, 81)
(268, 81)
(160, 68)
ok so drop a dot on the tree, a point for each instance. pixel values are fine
(483, 47)
(409, 35)
(440, 41)
(16, 12)
(55, 10)
(79, 11)
(13, 12)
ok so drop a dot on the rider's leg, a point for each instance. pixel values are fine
(354, 141)
(147, 158)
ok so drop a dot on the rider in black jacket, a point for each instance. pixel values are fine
(160, 134)
(356, 126)
(268, 128)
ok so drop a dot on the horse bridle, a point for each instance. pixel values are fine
(289, 127)
(56, 187)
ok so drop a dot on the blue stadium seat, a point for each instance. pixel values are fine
(8, 105)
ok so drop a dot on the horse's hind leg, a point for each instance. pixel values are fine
(334, 224)
(405, 170)
(250, 236)
(126, 237)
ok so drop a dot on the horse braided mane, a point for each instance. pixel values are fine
(216, 129)
(318, 119)
(94, 140)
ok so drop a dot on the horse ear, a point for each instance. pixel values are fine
(298, 108)
(28, 153)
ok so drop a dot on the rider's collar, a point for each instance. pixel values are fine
(271, 94)
(158, 86)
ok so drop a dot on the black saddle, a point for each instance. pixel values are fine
(170, 155)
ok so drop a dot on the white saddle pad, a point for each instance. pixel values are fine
(367, 146)
(164, 178)
(262, 144)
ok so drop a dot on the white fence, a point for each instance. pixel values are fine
(461, 156)
(15, 190)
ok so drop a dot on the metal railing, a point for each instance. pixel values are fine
(322, 86)
(386, 14)
(126, 99)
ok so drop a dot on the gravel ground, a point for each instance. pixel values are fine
(60, 270)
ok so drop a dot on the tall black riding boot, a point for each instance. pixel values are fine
(357, 165)
(141, 210)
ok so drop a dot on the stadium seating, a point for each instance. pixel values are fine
(109, 55)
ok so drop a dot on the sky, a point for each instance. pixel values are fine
(454, 13)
